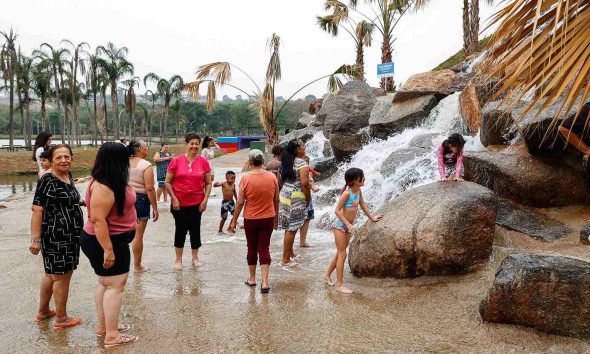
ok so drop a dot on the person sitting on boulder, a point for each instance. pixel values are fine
(450, 158)
(576, 131)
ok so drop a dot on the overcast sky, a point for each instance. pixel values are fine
(174, 37)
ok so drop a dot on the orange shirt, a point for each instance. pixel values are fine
(259, 192)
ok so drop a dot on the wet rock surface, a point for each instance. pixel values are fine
(346, 145)
(348, 111)
(304, 134)
(497, 126)
(439, 83)
(400, 115)
(305, 120)
(326, 166)
(529, 180)
(526, 221)
(424, 141)
(437, 229)
(549, 293)
(400, 157)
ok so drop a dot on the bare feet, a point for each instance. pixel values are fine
(196, 262)
(123, 339)
(44, 316)
(141, 269)
(123, 327)
(291, 263)
(328, 280)
(178, 265)
(220, 233)
(305, 245)
(344, 289)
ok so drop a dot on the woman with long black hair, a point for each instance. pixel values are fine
(42, 143)
(106, 236)
(295, 195)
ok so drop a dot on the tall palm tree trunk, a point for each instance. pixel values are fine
(165, 123)
(95, 132)
(21, 107)
(28, 120)
(474, 27)
(43, 114)
(11, 113)
(58, 101)
(466, 29)
(386, 57)
(360, 60)
(115, 108)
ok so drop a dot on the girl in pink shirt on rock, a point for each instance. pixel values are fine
(450, 158)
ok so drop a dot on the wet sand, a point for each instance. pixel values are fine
(211, 310)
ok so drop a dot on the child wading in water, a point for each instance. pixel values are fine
(450, 158)
(346, 210)
(229, 197)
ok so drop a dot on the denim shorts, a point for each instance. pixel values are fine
(161, 184)
(142, 207)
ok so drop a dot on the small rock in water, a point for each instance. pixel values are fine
(549, 293)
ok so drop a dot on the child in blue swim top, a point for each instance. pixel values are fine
(346, 210)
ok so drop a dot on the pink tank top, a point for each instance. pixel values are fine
(117, 224)
(136, 180)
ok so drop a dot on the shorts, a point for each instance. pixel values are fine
(339, 225)
(142, 207)
(227, 207)
(450, 170)
(310, 212)
(161, 184)
(93, 250)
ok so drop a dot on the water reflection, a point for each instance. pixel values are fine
(16, 184)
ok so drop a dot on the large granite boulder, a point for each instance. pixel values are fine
(344, 145)
(424, 141)
(304, 134)
(305, 120)
(549, 293)
(326, 166)
(320, 115)
(349, 109)
(531, 223)
(440, 83)
(497, 125)
(529, 180)
(400, 157)
(401, 115)
(436, 229)
(470, 108)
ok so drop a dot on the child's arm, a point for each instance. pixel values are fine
(235, 194)
(373, 218)
(219, 184)
(339, 207)
(313, 172)
(441, 163)
(459, 165)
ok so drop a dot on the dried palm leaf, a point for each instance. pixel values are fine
(273, 71)
(211, 96)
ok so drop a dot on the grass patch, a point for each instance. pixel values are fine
(459, 57)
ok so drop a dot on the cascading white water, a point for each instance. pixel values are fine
(443, 120)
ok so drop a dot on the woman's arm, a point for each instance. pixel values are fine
(170, 190)
(101, 202)
(305, 185)
(238, 211)
(366, 210)
(148, 180)
(276, 201)
(203, 205)
(36, 220)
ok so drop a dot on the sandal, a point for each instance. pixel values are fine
(74, 321)
(123, 327)
(264, 290)
(247, 282)
(125, 339)
(52, 313)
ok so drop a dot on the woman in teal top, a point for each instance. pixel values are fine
(162, 159)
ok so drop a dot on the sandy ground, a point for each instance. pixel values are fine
(211, 310)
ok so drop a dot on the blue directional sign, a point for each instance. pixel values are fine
(385, 70)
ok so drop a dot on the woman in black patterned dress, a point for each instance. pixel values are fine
(55, 231)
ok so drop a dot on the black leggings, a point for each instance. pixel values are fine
(187, 219)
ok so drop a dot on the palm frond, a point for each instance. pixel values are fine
(542, 46)
(211, 96)
(273, 71)
(327, 24)
(364, 32)
(219, 72)
(193, 89)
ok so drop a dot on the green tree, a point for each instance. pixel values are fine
(25, 79)
(76, 64)
(131, 101)
(167, 90)
(8, 66)
(41, 86)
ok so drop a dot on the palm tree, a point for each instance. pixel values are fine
(219, 74)
(131, 101)
(41, 86)
(361, 33)
(153, 97)
(167, 89)
(116, 67)
(76, 64)
(8, 66)
(385, 15)
(24, 79)
(543, 47)
(93, 85)
(56, 59)
(470, 24)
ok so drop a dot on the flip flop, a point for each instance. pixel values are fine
(123, 327)
(52, 313)
(74, 321)
(264, 290)
(250, 284)
(125, 339)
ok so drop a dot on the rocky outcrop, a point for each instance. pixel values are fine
(497, 126)
(526, 221)
(400, 157)
(439, 83)
(401, 115)
(326, 166)
(549, 293)
(304, 134)
(470, 109)
(529, 180)
(346, 145)
(349, 109)
(424, 141)
(315, 106)
(439, 228)
(321, 114)
(305, 120)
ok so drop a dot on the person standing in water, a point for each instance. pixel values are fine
(55, 231)
(141, 179)
(188, 181)
(208, 152)
(162, 159)
(228, 204)
(346, 211)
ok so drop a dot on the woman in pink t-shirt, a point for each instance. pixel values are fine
(106, 236)
(188, 181)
